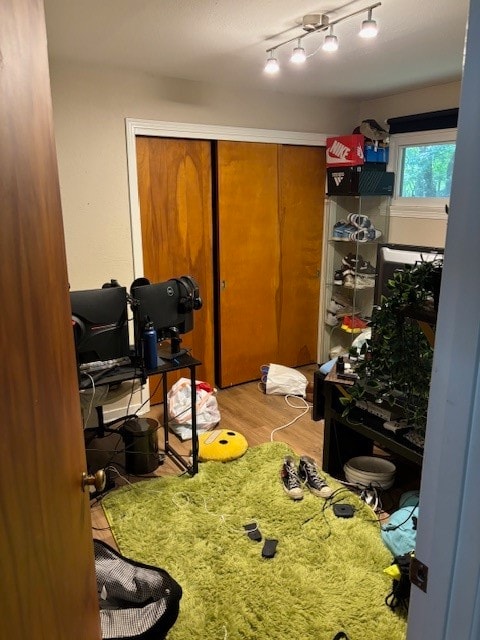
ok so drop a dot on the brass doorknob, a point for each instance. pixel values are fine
(98, 480)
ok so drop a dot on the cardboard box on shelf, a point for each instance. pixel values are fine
(345, 151)
(359, 181)
(375, 153)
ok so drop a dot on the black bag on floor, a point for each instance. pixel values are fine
(136, 600)
(400, 594)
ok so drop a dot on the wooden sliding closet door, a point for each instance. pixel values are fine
(248, 258)
(270, 221)
(174, 183)
(302, 197)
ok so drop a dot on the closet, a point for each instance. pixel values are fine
(246, 220)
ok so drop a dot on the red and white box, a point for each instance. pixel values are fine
(345, 151)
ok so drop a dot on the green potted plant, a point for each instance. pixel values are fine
(396, 363)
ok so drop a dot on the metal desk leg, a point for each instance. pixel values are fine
(169, 450)
(100, 422)
(165, 412)
(194, 467)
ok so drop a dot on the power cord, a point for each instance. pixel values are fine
(394, 527)
(85, 421)
(305, 406)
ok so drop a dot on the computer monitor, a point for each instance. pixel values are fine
(393, 257)
(100, 324)
(168, 306)
(159, 303)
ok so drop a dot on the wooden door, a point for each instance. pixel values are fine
(301, 217)
(270, 221)
(175, 192)
(249, 255)
(49, 587)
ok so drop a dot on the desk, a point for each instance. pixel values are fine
(124, 374)
(182, 362)
(355, 434)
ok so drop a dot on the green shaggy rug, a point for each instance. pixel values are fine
(326, 576)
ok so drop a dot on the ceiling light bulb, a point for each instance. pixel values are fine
(369, 27)
(299, 55)
(331, 43)
(272, 65)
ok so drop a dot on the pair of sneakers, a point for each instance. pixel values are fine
(359, 221)
(350, 279)
(358, 264)
(342, 230)
(364, 231)
(306, 474)
(360, 274)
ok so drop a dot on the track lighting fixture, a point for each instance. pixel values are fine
(331, 42)
(299, 55)
(271, 66)
(369, 27)
(314, 23)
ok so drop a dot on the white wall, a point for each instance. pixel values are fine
(444, 96)
(424, 232)
(90, 107)
(409, 230)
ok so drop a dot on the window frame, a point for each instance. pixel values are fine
(416, 207)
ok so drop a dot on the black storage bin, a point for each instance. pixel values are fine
(136, 600)
(358, 181)
(141, 447)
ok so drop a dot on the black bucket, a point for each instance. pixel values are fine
(141, 447)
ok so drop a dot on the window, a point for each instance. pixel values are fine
(426, 170)
(423, 166)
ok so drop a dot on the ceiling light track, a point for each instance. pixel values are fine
(315, 23)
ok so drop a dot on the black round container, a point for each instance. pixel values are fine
(141, 448)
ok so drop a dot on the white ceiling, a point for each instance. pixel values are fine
(224, 41)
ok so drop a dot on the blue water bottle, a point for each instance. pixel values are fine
(149, 346)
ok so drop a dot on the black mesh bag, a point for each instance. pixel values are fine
(136, 600)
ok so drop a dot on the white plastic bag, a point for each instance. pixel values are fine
(285, 381)
(179, 401)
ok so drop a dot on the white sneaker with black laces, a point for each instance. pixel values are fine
(290, 480)
(308, 473)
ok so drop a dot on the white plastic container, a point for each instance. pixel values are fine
(370, 470)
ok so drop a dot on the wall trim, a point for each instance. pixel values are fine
(218, 132)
